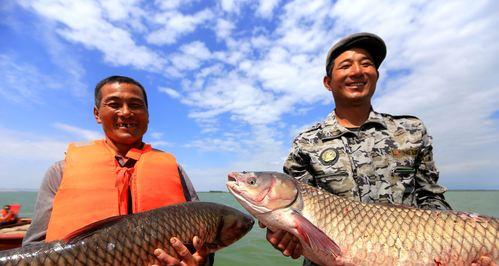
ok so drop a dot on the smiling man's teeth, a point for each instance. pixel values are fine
(125, 125)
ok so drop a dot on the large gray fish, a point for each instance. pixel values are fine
(338, 231)
(132, 239)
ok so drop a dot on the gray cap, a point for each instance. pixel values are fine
(372, 43)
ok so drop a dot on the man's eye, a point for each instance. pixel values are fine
(114, 105)
(136, 105)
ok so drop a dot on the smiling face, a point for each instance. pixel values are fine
(123, 114)
(353, 78)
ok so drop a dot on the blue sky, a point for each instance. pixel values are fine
(230, 83)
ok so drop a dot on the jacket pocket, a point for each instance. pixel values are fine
(404, 172)
(336, 183)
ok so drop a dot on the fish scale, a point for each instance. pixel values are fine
(133, 239)
(366, 234)
(443, 235)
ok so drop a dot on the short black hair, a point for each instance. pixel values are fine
(118, 79)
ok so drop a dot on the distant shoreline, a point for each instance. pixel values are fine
(18, 190)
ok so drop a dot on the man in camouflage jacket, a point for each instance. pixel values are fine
(387, 159)
(357, 152)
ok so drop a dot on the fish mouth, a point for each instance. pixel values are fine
(232, 182)
(232, 177)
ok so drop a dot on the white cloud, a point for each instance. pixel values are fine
(18, 79)
(156, 139)
(175, 24)
(205, 179)
(67, 63)
(82, 133)
(197, 49)
(83, 22)
(236, 96)
(212, 144)
(156, 135)
(224, 28)
(117, 10)
(265, 7)
(20, 145)
(231, 6)
(126, 13)
(25, 156)
(169, 5)
(170, 92)
(160, 143)
(256, 149)
(191, 57)
(305, 27)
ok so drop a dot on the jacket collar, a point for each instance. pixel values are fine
(332, 129)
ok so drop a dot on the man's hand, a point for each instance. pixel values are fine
(187, 259)
(285, 242)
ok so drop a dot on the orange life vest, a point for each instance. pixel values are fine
(94, 187)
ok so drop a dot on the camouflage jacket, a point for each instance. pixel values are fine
(388, 159)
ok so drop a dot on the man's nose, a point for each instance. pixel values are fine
(356, 70)
(125, 110)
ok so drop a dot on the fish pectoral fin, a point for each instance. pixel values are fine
(90, 229)
(315, 237)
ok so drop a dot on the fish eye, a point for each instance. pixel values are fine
(252, 181)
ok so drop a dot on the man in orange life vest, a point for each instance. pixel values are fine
(7, 216)
(120, 174)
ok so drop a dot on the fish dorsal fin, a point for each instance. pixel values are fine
(90, 229)
(313, 236)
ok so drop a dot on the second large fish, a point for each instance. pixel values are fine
(338, 231)
(131, 240)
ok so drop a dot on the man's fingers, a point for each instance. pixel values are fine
(288, 249)
(274, 237)
(164, 258)
(182, 251)
(201, 250)
(283, 244)
(198, 243)
(298, 250)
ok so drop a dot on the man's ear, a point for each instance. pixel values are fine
(96, 115)
(327, 83)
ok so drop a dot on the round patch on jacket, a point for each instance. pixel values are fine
(329, 156)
